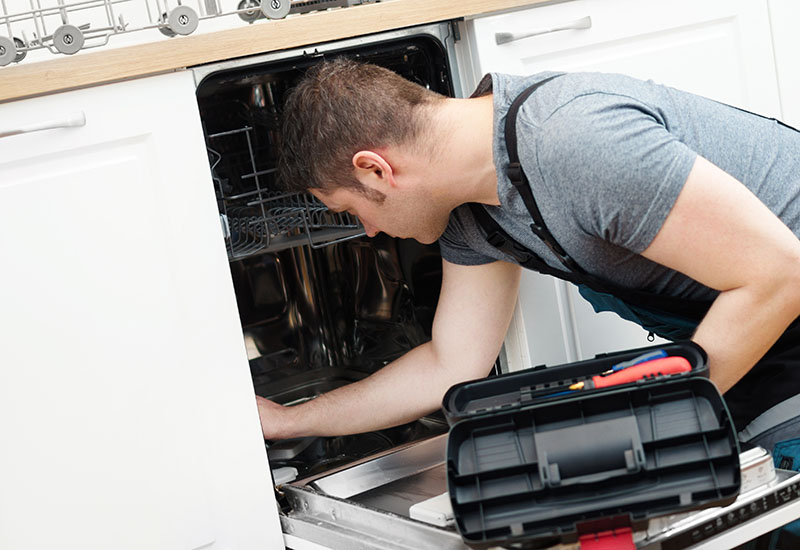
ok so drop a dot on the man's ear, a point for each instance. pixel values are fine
(373, 170)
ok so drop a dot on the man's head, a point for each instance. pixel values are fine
(338, 124)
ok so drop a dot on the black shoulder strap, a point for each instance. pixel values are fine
(520, 181)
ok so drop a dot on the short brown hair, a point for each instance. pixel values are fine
(341, 107)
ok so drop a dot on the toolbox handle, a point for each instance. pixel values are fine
(589, 453)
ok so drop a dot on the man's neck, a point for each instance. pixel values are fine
(464, 130)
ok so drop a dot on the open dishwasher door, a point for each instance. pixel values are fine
(366, 506)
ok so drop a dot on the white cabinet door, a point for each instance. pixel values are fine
(717, 48)
(784, 15)
(127, 415)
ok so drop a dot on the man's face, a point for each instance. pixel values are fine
(399, 215)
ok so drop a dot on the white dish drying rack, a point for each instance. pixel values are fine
(69, 26)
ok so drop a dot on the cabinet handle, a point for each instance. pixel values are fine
(72, 120)
(505, 37)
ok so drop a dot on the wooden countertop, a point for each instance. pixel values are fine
(65, 73)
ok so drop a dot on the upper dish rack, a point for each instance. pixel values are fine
(257, 219)
(69, 26)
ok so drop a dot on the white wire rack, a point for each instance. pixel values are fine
(69, 26)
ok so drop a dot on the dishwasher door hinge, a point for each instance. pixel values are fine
(456, 32)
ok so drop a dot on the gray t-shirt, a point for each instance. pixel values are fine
(606, 156)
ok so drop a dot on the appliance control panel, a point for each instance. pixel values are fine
(738, 513)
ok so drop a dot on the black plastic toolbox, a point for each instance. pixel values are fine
(531, 464)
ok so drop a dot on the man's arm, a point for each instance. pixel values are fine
(723, 236)
(472, 316)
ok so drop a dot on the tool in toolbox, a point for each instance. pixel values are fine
(638, 371)
(588, 466)
(645, 366)
(657, 354)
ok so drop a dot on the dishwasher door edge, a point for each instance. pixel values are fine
(339, 524)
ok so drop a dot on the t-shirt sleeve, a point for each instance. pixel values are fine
(615, 165)
(454, 243)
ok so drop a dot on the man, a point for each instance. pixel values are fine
(648, 190)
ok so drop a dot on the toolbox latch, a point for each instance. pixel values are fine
(615, 539)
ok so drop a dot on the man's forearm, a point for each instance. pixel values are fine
(404, 390)
(472, 316)
(742, 325)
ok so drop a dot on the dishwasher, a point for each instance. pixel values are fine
(322, 306)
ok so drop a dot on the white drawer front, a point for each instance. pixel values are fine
(717, 48)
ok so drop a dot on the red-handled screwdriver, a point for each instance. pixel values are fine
(656, 367)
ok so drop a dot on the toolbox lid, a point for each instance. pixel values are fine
(550, 470)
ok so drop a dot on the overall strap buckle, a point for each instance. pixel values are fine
(515, 174)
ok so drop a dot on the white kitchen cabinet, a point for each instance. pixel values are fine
(784, 15)
(717, 48)
(127, 413)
